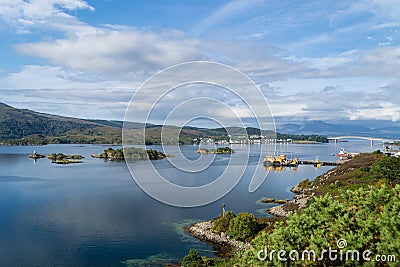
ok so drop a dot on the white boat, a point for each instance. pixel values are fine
(343, 154)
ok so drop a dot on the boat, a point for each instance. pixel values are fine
(343, 154)
(281, 161)
(317, 162)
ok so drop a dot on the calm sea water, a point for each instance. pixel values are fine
(94, 214)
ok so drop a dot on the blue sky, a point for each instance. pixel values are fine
(312, 59)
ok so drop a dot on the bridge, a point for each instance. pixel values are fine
(372, 139)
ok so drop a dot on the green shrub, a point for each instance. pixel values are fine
(192, 259)
(388, 168)
(243, 227)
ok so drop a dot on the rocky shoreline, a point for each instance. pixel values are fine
(303, 192)
(298, 202)
(203, 231)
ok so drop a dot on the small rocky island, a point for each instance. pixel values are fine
(36, 156)
(58, 158)
(220, 150)
(131, 153)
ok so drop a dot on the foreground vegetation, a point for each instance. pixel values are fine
(366, 218)
(357, 203)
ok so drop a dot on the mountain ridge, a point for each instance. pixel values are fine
(31, 127)
(337, 129)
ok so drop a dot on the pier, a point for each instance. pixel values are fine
(322, 163)
(309, 162)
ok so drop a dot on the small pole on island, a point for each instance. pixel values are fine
(223, 209)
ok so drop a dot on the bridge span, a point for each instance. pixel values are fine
(372, 139)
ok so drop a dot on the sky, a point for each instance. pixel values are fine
(312, 59)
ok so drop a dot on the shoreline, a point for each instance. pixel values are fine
(294, 205)
(298, 202)
(203, 231)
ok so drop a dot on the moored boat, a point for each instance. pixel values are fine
(343, 154)
(280, 161)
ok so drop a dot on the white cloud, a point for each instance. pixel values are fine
(58, 90)
(261, 62)
(102, 65)
(110, 51)
(52, 77)
(351, 98)
(387, 111)
(381, 62)
(93, 49)
(329, 61)
(51, 14)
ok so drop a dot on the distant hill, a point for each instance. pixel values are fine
(17, 123)
(27, 127)
(338, 128)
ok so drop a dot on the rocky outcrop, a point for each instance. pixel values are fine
(292, 206)
(273, 200)
(203, 231)
(36, 156)
(220, 150)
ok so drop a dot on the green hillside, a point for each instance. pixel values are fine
(27, 127)
(18, 123)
